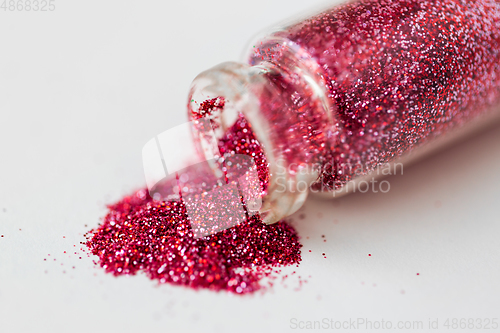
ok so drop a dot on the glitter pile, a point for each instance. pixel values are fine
(397, 73)
(140, 234)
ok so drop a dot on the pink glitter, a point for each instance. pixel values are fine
(397, 73)
(142, 235)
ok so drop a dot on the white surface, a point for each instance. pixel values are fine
(83, 88)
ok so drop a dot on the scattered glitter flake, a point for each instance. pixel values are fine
(394, 71)
(369, 254)
(140, 234)
(2, 236)
(418, 273)
(208, 106)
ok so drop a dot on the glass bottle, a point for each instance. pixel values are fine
(335, 97)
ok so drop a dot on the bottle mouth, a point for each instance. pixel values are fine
(226, 97)
(230, 94)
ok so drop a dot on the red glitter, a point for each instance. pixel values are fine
(140, 234)
(143, 235)
(241, 140)
(208, 106)
(397, 74)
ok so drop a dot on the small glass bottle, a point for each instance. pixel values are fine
(335, 96)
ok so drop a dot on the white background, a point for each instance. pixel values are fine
(82, 88)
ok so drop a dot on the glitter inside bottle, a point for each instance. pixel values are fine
(335, 96)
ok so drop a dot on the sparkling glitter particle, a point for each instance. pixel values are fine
(208, 106)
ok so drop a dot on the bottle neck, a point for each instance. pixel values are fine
(285, 104)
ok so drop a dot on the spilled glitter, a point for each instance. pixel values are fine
(140, 234)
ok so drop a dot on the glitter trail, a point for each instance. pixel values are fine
(142, 235)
